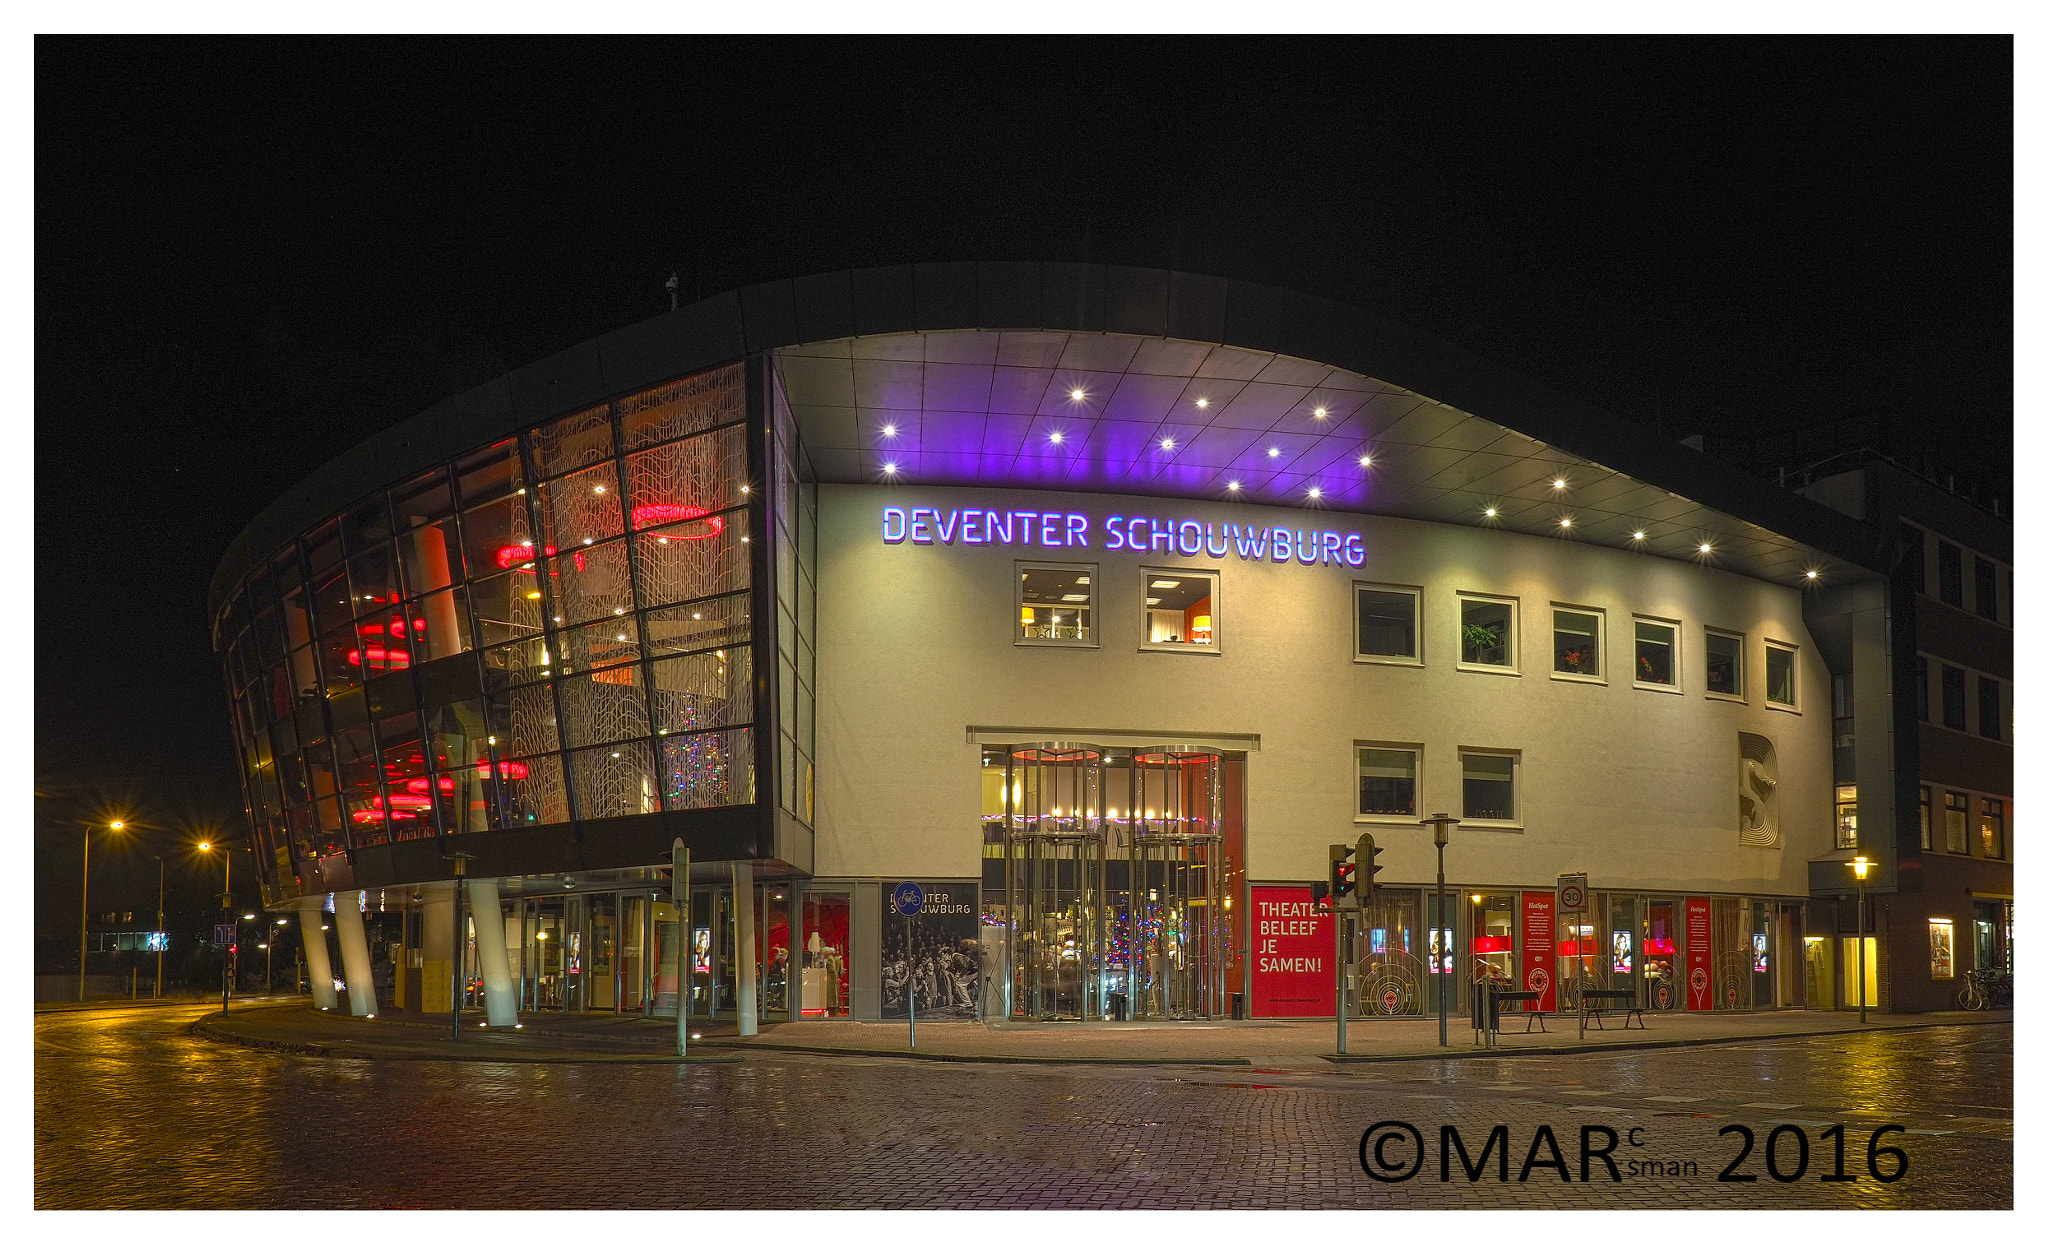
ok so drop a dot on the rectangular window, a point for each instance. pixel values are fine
(1926, 818)
(1941, 947)
(1575, 643)
(1389, 624)
(1055, 603)
(1955, 828)
(1845, 816)
(1987, 589)
(1950, 569)
(1489, 779)
(1724, 663)
(1386, 781)
(1990, 715)
(1781, 675)
(1486, 633)
(1913, 556)
(1991, 828)
(1181, 613)
(1954, 715)
(1920, 663)
(1656, 654)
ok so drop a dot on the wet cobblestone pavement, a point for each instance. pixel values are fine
(133, 1111)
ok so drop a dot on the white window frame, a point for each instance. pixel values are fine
(1414, 593)
(1791, 650)
(1677, 685)
(1741, 665)
(1514, 784)
(1359, 746)
(1017, 636)
(1214, 648)
(1599, 617)
(1514, 637)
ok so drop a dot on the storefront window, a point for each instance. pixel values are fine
(1493, 940)
(1388, 627)
(1724, 664)
(1941, 948)
(1181, 613)
(1781, 671)
(1991, 829)
(1386, 782)
(1656, 654)
(1055, 603)
(1575, 643)
(1660, 955)
(827, 953)
(1486, 633)
(1489, 780)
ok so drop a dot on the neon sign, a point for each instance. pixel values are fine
(1059, 529)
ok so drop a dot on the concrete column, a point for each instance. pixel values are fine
(437, 946)
(355, 953)
(744, 964)
(314, 940)
(501, 1005)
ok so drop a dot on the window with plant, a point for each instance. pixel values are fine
(1575, 643)
(1486, 633)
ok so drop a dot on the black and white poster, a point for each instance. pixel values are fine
(936, 952)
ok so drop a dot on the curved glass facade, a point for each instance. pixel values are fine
(557, 627)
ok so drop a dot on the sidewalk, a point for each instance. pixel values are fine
(295, 1028)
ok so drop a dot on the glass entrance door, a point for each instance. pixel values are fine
(1174, 933)
(1052, 846)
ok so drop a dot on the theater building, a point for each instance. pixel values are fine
(1097, 601)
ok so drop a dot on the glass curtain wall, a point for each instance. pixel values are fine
(552, 628)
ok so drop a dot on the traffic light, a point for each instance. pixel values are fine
(1368, 868)
(1343, 874)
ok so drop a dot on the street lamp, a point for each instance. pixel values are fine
(84, 902)
(227, 900)
(1862, 866)
(162, 936)
(1440, 826)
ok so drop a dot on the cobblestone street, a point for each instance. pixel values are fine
(133, 1111)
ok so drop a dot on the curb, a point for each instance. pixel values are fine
(941, 1057)
(1499, 1053)
(201, 1029)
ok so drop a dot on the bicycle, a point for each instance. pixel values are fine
(1985, 988)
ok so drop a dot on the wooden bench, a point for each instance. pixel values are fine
(1524, 997)
(1624, 1001)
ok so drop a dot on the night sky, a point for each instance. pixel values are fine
(251, 255)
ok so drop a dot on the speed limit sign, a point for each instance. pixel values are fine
(1571, 893)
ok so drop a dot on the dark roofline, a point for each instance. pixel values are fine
(1022, 296)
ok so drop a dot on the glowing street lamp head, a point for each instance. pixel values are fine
(1862, 866)
(116, 825)
(206, 847)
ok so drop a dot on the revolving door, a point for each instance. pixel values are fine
(1132, 929)
(1174, 933)
(1052, 848)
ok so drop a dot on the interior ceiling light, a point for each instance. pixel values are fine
(1166, 583)
(1075, 596)
(1080, 579)
(1151, 600)
(597, 488)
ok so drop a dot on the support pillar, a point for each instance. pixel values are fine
(745, 964)
(501, 1006)
(314, 940)
(355, 953)
(437, 947)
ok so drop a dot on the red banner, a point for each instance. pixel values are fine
(1293, 954)
(1699, 955)
(1539, 942)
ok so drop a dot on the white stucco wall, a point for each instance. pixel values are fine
(1636, 788)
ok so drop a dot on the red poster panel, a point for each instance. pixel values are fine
(1699, 955)
(1539, 945)
(1293, 954)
